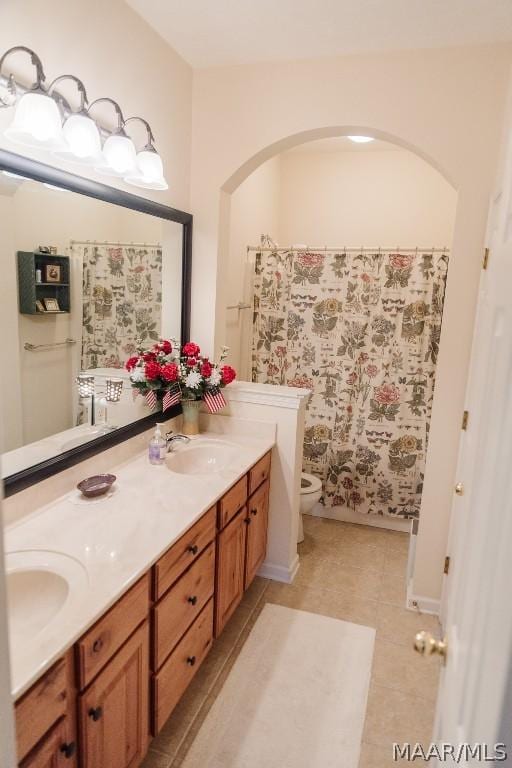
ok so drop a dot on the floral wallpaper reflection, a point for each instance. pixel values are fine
(122, 298)
(361, 330)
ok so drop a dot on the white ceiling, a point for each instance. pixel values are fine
(221, 32)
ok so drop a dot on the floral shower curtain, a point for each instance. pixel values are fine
(361, 330)
(122, 301)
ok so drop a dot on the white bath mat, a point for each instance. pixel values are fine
(295, 698)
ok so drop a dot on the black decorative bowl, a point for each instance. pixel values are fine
(96, 485)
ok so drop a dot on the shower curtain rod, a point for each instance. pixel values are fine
(110, 242)
(344, 249)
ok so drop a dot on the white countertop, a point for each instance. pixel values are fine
(118, 538)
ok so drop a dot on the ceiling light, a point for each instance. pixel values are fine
(360, 139)
(149, 173)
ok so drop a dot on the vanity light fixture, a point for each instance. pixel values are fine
(37, 120)
(39, 114)
(80, 132)
(361, 139)
(149, 173)
(119, 157)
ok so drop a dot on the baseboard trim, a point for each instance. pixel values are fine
(345, 515)
(421, 603)
(280, 572)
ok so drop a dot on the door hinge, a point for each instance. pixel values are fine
(465, 419)
(486, 259)
(446, 564)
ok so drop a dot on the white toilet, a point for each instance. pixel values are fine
(310, 493)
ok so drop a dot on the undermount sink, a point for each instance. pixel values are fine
(40, 584)
(204, 457)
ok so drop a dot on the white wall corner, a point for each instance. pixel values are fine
(285, 574)
(421, 603)
(267, 394)
(285, 407)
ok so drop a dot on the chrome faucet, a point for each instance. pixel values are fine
(171, 438)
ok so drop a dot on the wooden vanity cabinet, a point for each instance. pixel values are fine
(130, 669)
(231, 543)
(113, 713)
(49, 702)
(257, 526)
(54, 751)
(242, 541)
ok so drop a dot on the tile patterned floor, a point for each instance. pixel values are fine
(350, 572)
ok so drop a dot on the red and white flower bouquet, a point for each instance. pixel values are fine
(165, 372)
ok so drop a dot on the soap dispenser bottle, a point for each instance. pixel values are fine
(157, 447)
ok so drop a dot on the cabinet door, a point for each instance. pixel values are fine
(54, 751)
(114, 710)
(230, 569)
(257, 526)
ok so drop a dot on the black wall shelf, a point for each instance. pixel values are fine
(30, 291)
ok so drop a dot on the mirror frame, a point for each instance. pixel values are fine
(37, 171)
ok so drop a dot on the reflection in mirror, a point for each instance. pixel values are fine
(83, 282)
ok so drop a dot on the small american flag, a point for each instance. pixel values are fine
(214, 399)
(151, 398)
(171, 397)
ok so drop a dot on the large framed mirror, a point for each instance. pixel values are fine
(88, 273)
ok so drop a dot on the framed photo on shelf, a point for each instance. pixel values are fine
(40, 306)
(51, 305)
(52, 273)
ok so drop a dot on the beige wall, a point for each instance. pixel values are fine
(446, 104)
(10, 399)
(254, 212)
(116, 54)
(370, 198)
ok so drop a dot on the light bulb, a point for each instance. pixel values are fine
(150, 171)
(82, 137)
(119, 156)
(36, 122)
(360, 139)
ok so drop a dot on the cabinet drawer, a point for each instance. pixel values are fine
(100, 643)
(182, 604)
(169, 685)
(41, 707)
(55, 751)
(177, 559)
(259, 473)
(232, 502)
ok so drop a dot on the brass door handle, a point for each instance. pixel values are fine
(459, 489)
(426, 644)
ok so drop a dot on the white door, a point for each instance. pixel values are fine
(478, 605)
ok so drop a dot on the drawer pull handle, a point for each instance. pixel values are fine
(192, 600)
(95, 713)
(68, 750)
(254, 511)
(247, 520)
(192, 549)
(191, 660)
(97, 645)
